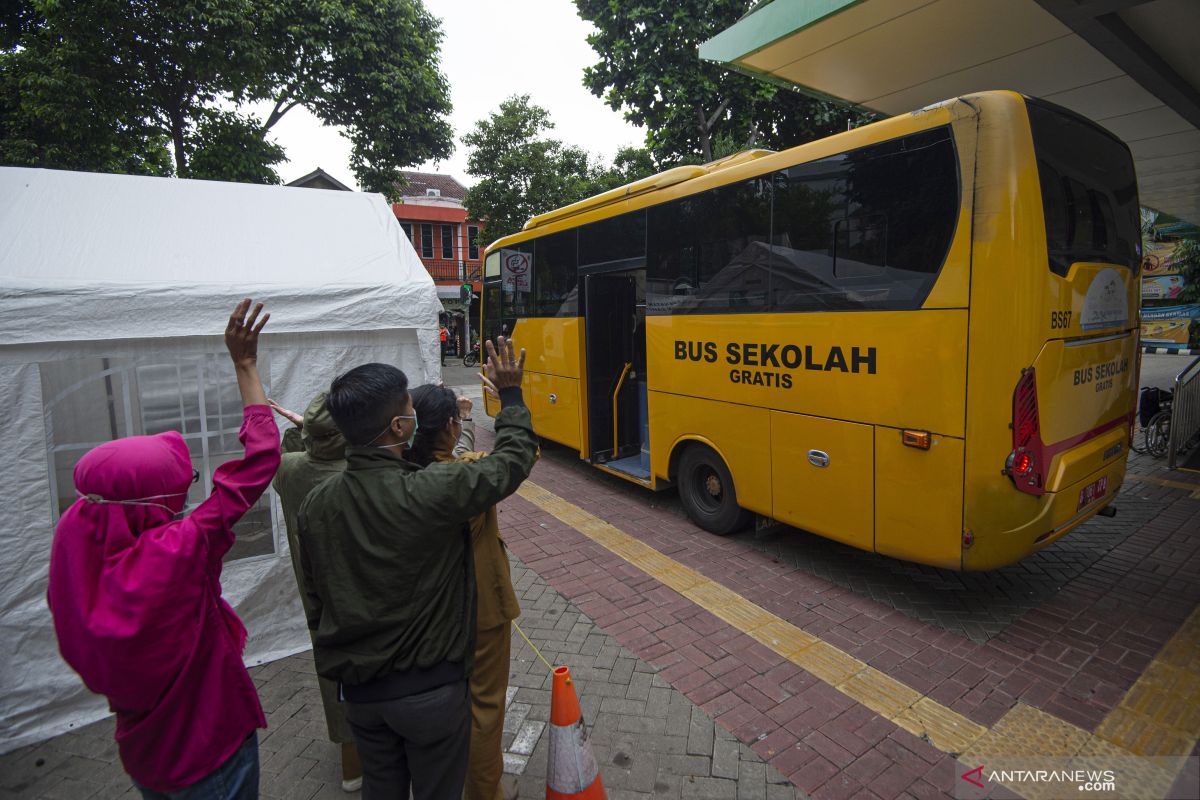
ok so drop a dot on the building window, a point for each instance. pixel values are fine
(447, 242)
(407, 226)
(426, 240)
(472, 242)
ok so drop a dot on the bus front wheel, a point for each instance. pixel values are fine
(707, 491)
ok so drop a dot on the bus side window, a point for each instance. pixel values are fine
(860, 246)
(716, 244)
(865, 229)
(555, 276)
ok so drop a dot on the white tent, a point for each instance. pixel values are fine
(114, 293)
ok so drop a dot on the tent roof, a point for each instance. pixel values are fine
(1130, 65)
(88, 256)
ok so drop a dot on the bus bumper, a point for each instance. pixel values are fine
(1060, 513)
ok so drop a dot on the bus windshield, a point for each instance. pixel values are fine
(1089, 192)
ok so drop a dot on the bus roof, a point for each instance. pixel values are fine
(679, 175)
(660, 181)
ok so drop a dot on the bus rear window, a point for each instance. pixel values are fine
(1089, 191)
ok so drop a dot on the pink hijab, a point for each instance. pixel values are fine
(125, 585)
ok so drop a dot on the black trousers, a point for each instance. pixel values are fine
(420, 742)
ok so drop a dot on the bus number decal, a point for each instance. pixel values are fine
(1060, 319)
(780, 357)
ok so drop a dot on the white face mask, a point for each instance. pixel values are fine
(411, 437)
(141, 501)
(148, 500)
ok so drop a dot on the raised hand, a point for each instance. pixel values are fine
(504, 369)
(241, 340)
(290, 416)
(241, 334)
(464, 406)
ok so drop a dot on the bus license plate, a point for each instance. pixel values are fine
(1093, 492)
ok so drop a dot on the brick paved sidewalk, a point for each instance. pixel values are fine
(865, 695)
(648, 739)
(851, 674)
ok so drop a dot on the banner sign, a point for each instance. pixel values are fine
(1191, 311)
(1162, 287)
(1166, 332)
(1159, 259)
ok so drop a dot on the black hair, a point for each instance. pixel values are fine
(364, 400)
(434, 407)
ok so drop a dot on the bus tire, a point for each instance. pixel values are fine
(708, 494)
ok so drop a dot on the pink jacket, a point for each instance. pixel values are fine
(136, 600)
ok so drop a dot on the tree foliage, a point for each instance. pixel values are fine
(522, 172)
(649, 66)
(108, 84)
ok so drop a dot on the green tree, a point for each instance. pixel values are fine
(107, 84)
(649, 66)
(629, 164)
(1187, 261)
(521, 171)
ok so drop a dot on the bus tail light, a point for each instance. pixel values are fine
(1025, 464)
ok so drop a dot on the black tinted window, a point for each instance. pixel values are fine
(1089, 191)
(491, 308)
(554, 276)
(709, 253)
(617, 240)
(516, 280)
(868, 229)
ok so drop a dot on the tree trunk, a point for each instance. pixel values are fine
(753, 137)
(706, 128)
(177, 138)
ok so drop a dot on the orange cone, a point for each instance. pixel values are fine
(572, 774)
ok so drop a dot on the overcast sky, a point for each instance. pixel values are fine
(490, 51)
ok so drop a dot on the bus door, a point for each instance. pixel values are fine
(614, 330)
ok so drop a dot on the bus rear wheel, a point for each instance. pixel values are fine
(707, 491)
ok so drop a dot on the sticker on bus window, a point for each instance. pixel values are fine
(1106, 304)
(514, 270)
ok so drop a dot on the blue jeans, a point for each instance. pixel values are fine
(236, 779)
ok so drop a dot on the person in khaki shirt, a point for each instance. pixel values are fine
(446, 432)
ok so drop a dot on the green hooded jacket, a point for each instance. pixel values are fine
(310, 455)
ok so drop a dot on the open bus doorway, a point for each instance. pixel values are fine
(615, 335)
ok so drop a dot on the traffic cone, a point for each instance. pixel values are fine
(572, 774)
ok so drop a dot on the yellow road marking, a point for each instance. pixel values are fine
(1160, 715)
(1194, 488)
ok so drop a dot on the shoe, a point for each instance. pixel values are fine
(353, 785)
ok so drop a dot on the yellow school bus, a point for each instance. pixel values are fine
(918, 337)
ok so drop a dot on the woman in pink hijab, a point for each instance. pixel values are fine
(136, 596)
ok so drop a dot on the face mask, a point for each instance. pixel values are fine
(411, 437)
(148, 500)
(141, 501)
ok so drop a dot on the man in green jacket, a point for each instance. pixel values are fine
(312, 451)
(388, 575)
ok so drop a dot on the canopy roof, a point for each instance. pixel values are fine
(1130, 65)
(87, 256)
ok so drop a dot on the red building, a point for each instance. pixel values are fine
(431, 212)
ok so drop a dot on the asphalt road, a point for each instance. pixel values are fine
(1160, 370)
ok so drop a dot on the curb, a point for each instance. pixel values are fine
(1161, 351)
